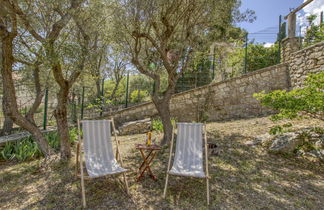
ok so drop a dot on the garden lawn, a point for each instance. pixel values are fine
(242, 177)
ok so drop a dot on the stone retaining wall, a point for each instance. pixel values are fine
(302, 62)
(228, 99)
(232, 99)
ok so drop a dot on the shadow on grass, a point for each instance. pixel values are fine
(250, 177)
(241, 177)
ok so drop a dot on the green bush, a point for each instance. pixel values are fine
(278, 129)
(22, 150)
(308, 100)
(138, 96)
(308, 143)
(98, 102)
(314, 33)
(158, 126)
(27, 148)
(73, 133)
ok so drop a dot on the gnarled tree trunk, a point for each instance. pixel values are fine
(39, 96)
(60, 114)
(113, 93)
(11, 108)
(163, 108)
(98, 87)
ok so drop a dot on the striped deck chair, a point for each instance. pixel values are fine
(98, 152)
(188, 160)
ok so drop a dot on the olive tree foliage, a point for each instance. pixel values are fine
(107, 59)
(314, 33)
(166, 33)
(116, 66)
(60, 29)
(34, 74)
(99, 11)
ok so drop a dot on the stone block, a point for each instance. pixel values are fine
(135, 127)
(265, 74)
(221, 86)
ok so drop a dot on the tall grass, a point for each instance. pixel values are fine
(27, 149)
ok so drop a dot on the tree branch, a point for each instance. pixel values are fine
(16, 9)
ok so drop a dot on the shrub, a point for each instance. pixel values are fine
(278, 129)
(314, 33)
(27, 149)
(138, 96)
(22, 150)
(308, 100)
(309, 142)
(158, 126)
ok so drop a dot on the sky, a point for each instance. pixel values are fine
(265, 27)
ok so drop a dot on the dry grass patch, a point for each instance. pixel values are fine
(241, 177)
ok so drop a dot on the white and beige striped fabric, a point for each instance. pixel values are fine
(188, 159)
(99, 156)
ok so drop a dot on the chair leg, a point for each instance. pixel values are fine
(207, 186)
(83, 193)
(206, 162)
(77, 159)
(126, 183)
(81, 166)
(166, 185)
(82, 183)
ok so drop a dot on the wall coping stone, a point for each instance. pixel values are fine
(289, 38)
(309, 47)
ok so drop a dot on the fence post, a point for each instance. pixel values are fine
(213, 76)
(291, 25)
(45, 109)
(196, 77)
(279, 39)
(82, 103)
(300, 38)
(246, 54)
(321, 18)
(126, 99)
(74, 109)
(153, 89)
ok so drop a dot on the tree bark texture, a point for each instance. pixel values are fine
(60, 114)
(7, 123)
(163, 108)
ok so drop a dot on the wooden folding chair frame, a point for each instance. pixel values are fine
(80, 162)
(206, 166)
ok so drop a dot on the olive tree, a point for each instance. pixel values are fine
(8, 33)
(162, 35)
(65, 45)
